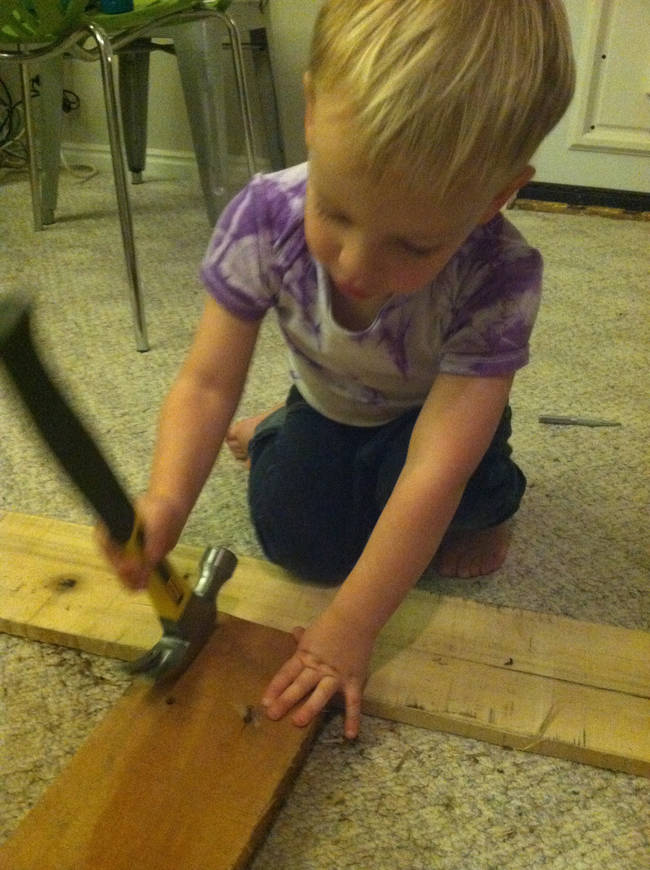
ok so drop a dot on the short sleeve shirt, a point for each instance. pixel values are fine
(473, 319)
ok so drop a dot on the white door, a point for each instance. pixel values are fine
(604, 139)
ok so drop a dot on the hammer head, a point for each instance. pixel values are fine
(184, 638)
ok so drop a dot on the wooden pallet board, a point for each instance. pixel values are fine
(180, 777)
(537, 682)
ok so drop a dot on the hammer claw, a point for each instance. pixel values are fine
(162, 659)
(146, 662)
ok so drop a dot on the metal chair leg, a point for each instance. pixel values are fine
(267, 98)
(107, 60)
(242, 88)
(133, 77)
(34, 171)
(198, 53)
(50, 113)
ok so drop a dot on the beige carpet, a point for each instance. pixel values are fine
(400, 797)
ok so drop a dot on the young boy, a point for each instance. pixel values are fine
(406, 300)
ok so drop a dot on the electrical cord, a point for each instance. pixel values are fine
(13, 150)
(83, 171)
(70, 100)
(13, 147)
(7, 107)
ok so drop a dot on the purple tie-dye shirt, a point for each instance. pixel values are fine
(474, 318)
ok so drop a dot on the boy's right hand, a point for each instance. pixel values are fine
(161, 524)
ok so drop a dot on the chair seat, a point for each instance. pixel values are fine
(39, 21)
(144, 11)
(42, 21)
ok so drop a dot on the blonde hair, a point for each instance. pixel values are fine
(442, 88)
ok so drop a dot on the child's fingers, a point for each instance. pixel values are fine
(301, 679)
(294, 682)
(299, 682)
(107, 545)
(286, 675)
(352, 694)
(130, 567)
(316, 702)
(289, 672)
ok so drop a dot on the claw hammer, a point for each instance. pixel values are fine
(187, 615)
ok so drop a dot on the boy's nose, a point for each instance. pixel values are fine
(357, 264)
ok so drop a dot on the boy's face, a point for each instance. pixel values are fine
(376, 239)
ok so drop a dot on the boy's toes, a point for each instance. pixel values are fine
(473, 554)
(236, 443)
(239, 435)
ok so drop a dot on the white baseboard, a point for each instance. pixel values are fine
(172, 165)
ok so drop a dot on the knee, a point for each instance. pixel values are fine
(296, 538)
(300, 500)
(298, 550)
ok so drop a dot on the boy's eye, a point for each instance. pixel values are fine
(417, 250)
(330, 215)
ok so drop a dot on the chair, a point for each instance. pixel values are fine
(44, 31)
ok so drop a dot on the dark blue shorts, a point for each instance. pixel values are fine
(317, 487)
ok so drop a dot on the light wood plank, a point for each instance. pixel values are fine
(514, 709)
(173, 777)
(533, 681)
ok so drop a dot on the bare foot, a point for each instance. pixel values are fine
(239, 435)
(472, 554)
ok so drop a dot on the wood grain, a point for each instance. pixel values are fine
(533, 681)
(187, 776)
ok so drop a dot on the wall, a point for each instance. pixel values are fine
(168, 130)
(290, 26)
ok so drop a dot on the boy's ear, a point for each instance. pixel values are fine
(308, 90)
(509, 190)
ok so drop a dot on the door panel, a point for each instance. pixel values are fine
(604, 139)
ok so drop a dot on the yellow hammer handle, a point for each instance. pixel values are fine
(168, 590)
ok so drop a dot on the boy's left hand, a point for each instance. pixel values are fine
(332, 656)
